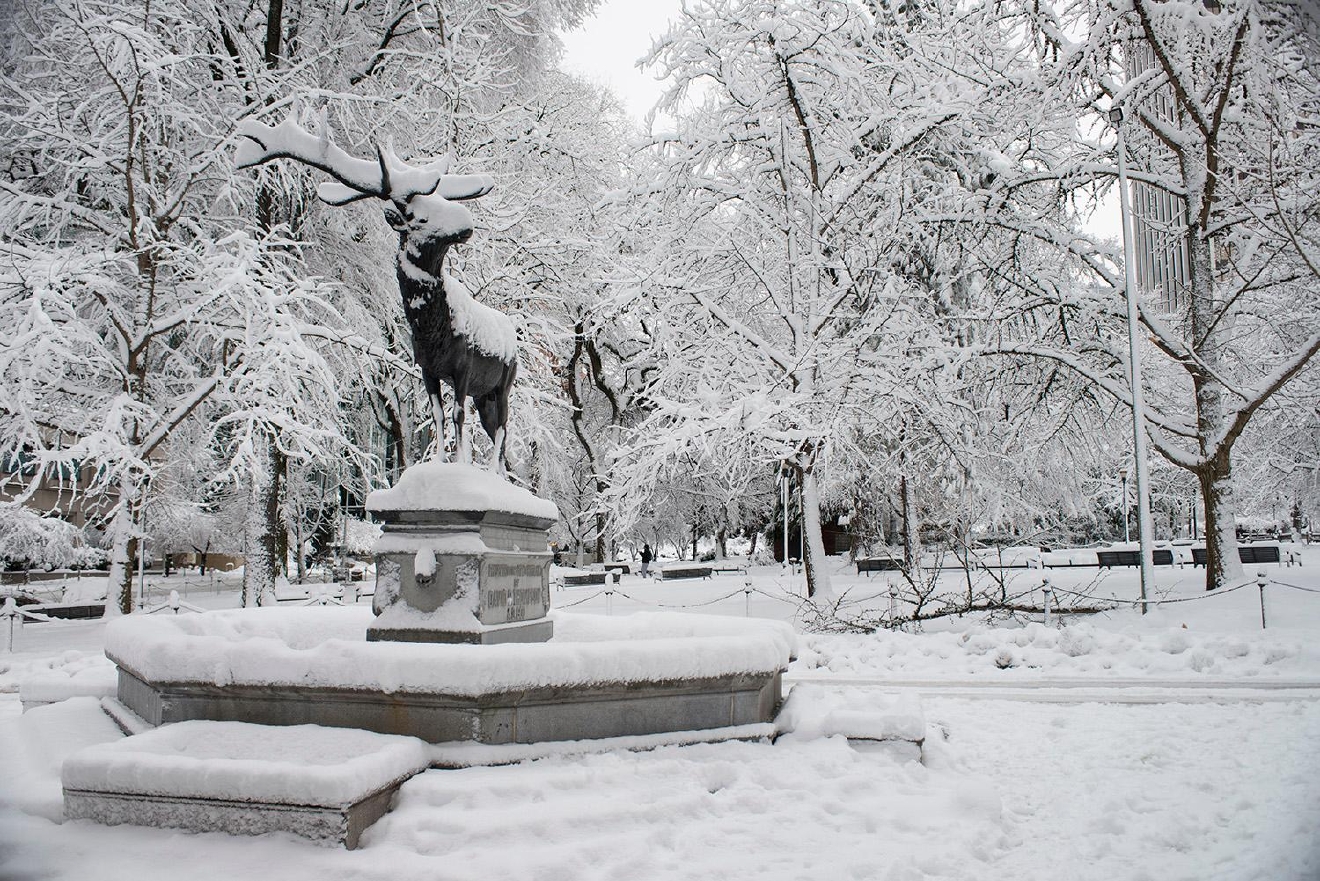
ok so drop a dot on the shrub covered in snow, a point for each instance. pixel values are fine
(29, 539)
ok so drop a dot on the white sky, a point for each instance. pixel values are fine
(606, 50)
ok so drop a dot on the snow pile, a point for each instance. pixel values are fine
(39, 743)
(85, 590)
(86, 680)
(325, 647)
(466, 544)
(1079, 650)
(811, 712)
(239, 761)
(14, 672)
(815, 809)
(452, 486)
(424, 562)
(667, 625)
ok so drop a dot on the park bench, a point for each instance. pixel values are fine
(624, 568)
(675, 572)
(72, 611)
(878, 564)
(727, 569)
(1247, 554)
(583, 579)
(1109, 559)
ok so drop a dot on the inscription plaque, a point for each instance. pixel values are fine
(513, 589)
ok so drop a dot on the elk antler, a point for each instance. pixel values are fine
(387, 178)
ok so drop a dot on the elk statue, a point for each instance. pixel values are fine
(466, 344)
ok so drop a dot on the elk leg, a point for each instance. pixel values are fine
(464, 454)
(492, 414)
(438, 414)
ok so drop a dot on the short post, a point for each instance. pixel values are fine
(1049, 596)
(893, 604)
(747, 592)
(10, 614)
(174, 601)
(609, 601)
(1260, 583)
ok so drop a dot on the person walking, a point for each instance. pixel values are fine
(647, 557)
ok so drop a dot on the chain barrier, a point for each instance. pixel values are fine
(1295, 586)
(699, 605)
(174, 604)
(1051, 610)
(1119, 603)
(746, 591)
(12, 615)
(581, 601)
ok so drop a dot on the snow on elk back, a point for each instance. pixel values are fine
(456, 340)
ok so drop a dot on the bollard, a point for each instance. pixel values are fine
(747, 591)
(609, 602)
(174, 601)
(893, 603)
(1049, 595)
(10, 614)
(1260, 583)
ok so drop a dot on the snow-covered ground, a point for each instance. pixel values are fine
(1180, 744)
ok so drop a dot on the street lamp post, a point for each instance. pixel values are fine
(1144, 531)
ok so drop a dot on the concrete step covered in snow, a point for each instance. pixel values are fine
(324, 784)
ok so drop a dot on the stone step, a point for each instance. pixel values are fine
(325, 784)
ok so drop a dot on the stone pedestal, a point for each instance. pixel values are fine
(464, 558)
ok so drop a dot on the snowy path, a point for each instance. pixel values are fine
(1029, 792)
(1056, 690)
(1104, 792)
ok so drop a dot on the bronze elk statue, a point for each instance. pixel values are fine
(456, 339)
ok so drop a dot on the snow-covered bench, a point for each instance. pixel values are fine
(1110, 559)
(325, 784)
(1247, 554)
(583, 579)
(877, 564)
(670, 573)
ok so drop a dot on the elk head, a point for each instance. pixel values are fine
(424, 198)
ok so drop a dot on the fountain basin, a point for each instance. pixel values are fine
(598, 677)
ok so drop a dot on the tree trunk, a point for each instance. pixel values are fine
(722, 542)
(1222, 563)
(298, 543)
(911, 530)
(277, 524)
(261, 541)
(123, 550)
(818, 576)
